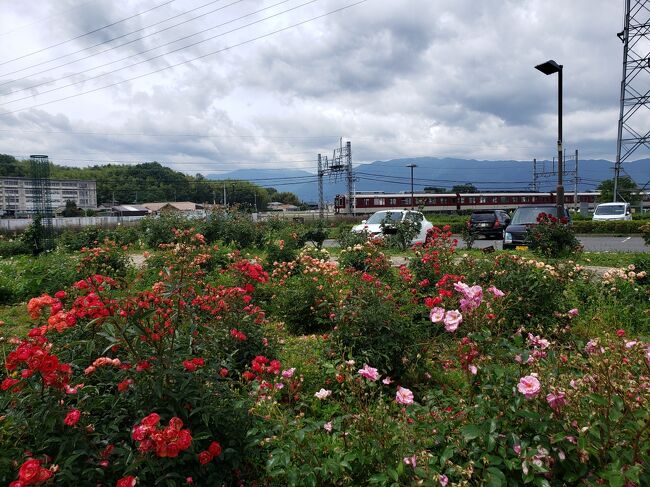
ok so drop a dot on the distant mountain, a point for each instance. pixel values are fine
(394, 176)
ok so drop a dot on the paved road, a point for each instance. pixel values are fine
(591, 243)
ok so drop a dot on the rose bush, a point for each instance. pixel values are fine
(448, 371)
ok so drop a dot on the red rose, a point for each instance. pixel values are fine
(205, 457)
(215, 449)
(223, 372)
(151, 420)
(129, 481)
(31, 473)
(8, 383)
(189, 365)
(72, 417)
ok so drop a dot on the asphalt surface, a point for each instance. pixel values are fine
(591, 243)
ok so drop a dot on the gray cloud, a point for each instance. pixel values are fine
(409, 78)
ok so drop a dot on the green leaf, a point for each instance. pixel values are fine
(446, 455)
(470, 432)
(495, 477)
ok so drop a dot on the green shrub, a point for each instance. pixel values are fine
(25, 277)
(347, 238)
(376, 325)
(11, 247)
(366, 257)
(534, 291)
(232, 227)
(552, 237)
(616, 227)
(171, 350)
(399, 234)
(303, 293)
(158, 230)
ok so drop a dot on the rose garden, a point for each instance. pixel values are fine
(236, 356)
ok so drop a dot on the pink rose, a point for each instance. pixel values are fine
(404, 396)
(443, 480)
(556, 401)
(453, 318)
(496, 292)
(328, 426)
(529, 386)
(323, 394)
(412, 461)
(368, 372)
(573, 312)
(437, 315)
(287, 374)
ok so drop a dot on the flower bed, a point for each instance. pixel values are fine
(209, 368)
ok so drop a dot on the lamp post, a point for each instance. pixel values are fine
(550, 67)
(412, 201)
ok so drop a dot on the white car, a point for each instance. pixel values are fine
(373, 224)
(612, 211)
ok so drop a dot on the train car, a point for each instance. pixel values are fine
(370, 202)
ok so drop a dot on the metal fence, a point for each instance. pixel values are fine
(12, 225)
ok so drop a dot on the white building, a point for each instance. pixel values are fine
(20, 195)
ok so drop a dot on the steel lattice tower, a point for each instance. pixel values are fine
(634, 123)
(40, 172)
(341, 162)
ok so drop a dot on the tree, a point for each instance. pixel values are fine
(287, 198)
(628, 191)
(464, 188)
(10, 166)
(71, 209)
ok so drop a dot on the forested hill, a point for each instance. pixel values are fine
(148, 182)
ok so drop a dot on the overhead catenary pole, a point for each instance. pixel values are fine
(321, 197)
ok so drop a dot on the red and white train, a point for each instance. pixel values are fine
(369, 202)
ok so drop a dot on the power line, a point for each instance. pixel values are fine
(87, 33)
(123, 134)
(159, 55)
(119, 45)
(263, 36)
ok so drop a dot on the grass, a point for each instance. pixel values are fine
(16, 320)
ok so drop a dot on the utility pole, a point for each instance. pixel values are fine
(575, 187)
(412, 201)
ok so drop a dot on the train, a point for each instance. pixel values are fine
(371, 201)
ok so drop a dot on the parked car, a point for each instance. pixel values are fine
(612, 211)
(489, 223)
(373, 224)
(523, 218)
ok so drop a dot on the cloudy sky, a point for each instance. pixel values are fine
(210, 86)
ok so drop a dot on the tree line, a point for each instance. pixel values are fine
(152, 182)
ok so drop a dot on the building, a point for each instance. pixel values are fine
(20, 195)
(183, 207)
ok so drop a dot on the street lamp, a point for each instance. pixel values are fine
(412, 201)
(550, 67)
